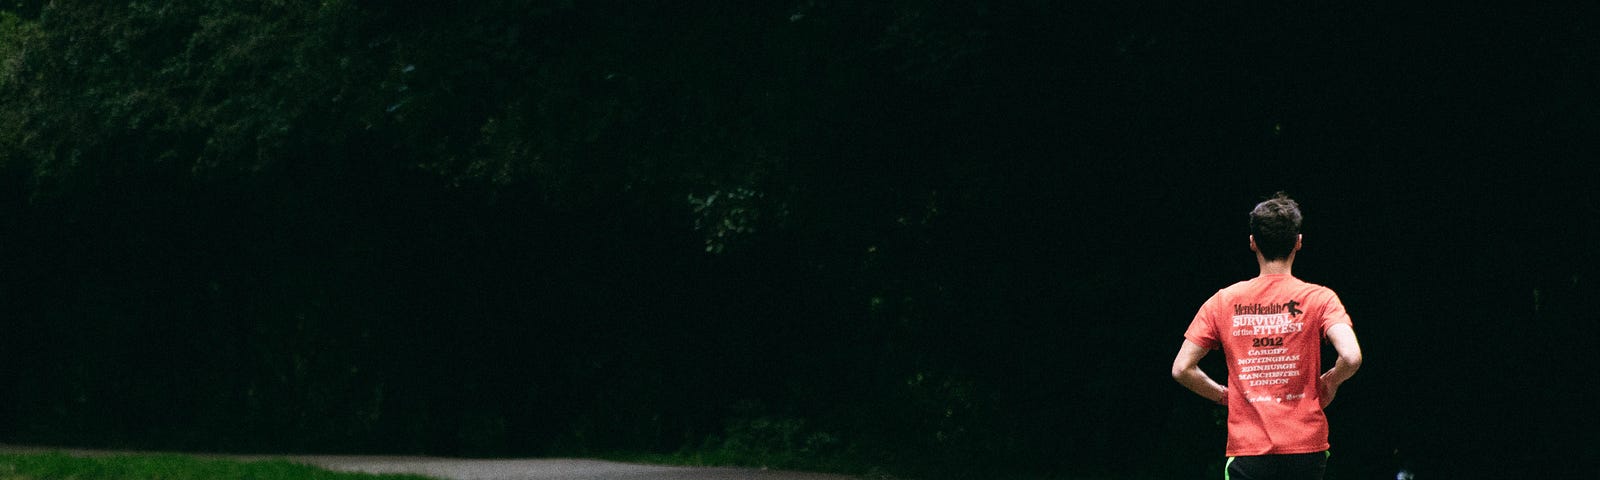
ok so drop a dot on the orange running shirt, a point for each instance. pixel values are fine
(1270, 329)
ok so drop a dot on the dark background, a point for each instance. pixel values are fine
(933, 238)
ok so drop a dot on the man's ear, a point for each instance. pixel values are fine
(1297, 239)
(1253, 247)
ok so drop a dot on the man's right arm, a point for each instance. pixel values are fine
(1186, 370)
(1344, 341)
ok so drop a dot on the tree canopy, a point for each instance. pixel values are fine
(933, 235)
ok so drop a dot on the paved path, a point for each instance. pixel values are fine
(527, 469)
(547, 469)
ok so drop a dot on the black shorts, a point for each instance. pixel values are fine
(1299, 466)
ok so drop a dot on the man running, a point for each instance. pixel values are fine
(1270, 330)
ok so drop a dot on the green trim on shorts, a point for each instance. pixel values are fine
(1326, 454)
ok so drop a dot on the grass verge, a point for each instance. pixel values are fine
(60, 466)
(725, 458)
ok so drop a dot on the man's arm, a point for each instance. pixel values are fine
(1186, 370)
(1344, 341)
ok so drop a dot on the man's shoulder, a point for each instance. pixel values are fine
(1238, 286)
(1316, 289)
(1293, 286)
(1225, 294)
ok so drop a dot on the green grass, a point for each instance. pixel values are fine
(58, 466)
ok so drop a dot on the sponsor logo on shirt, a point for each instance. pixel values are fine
(1269, 309)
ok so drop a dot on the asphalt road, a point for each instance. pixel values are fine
(510, 469)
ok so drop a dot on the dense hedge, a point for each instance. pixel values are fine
(934, 236)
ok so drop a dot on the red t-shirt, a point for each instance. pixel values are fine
(1270, 329)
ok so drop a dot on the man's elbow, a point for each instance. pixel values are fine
(1353, 360)
(1178, 371)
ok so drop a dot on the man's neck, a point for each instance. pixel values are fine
(1275, 267)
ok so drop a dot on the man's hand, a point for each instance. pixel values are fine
(1329, 389)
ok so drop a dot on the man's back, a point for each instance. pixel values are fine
(1270, 330)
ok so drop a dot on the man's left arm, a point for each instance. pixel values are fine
(1186, 370)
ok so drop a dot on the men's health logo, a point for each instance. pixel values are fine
(1290, 307)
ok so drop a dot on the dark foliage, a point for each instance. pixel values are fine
(947, 238)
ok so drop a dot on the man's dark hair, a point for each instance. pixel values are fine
(1275, 224)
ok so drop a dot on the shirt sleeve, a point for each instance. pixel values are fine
(1333, 312)
(1203, 330)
